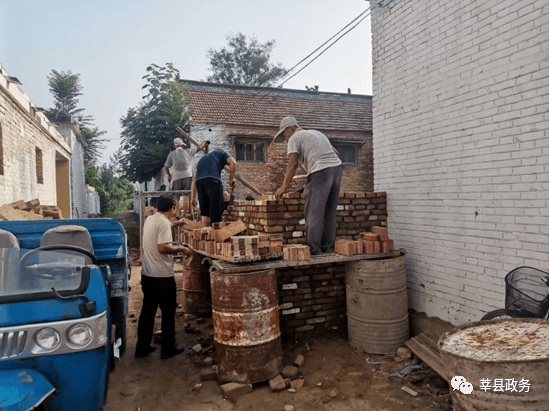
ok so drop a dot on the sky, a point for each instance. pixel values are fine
(111, 43)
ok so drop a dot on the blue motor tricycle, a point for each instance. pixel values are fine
(63, 300)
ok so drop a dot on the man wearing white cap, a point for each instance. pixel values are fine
(319, 159)
(181, 162)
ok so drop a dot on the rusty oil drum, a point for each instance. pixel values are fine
(377, 305)
(196, 293)
(535, 371)
(246, 326)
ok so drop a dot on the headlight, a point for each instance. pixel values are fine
(80, 335)
(48, 339)
(102, 328)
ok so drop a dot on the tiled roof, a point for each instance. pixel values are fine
(214, 103)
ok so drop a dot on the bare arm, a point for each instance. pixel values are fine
(202, 145)
(167, 248)
(168, 173)
(232, 172)
(290, 171)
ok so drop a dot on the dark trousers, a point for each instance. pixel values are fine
(157, 292)
(210, 196)
(322, 198)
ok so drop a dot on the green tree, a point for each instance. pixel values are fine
(93, 144)
(244, 61)
(66, 88)
(148, 130)
(115, 192)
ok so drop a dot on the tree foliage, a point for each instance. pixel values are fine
(148, 130)
(66, 88)
(115, 192)
(93, 144)
(244, 61)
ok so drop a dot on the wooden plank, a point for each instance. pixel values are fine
(224, 266)
(237, 260)
(425, 347)
(232, 229)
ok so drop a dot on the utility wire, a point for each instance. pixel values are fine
(260, 95)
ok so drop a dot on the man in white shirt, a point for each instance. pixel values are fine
(181, 162)
(157, 280)
(319, 159)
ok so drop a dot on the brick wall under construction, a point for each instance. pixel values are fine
(312, 299)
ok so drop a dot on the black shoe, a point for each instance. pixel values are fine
(144, 352)
(317, 252)
(164, 355)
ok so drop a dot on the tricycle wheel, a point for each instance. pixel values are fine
(119, 319)
(496, 314)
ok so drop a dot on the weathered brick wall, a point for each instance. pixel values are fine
(268, 176)
(312, 301)
(22, 132)
(356, 213)
(461, 136)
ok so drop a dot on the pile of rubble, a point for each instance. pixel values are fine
(29, 210)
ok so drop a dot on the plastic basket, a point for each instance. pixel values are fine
(527, 292)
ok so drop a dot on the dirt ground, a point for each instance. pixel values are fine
(336, 376)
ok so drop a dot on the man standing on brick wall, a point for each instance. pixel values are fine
(157, 280)
(319, 159)
(208, 187)
(181, 160)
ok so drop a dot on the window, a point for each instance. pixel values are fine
(250, 151)
(347, 153)
(39, 168)
(1, 152)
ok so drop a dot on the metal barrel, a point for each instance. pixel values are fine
(522, 382)
(194, 261)
(246, 326)
(196, 297)
(377, 305)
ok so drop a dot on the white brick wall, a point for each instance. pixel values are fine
(461, 144)
(21, 134)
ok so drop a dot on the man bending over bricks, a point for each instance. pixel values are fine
(208, 186)
(319, 159)
(157, 280)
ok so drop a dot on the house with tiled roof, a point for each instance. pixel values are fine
(243, 120)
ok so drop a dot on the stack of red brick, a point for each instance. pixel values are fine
(223, 239)
(356, 213)
(297, 252)
(376, 242)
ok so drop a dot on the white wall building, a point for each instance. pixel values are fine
(461, 145)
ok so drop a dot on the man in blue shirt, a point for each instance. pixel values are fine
(208, 187)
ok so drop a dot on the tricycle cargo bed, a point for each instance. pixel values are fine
(108, 236)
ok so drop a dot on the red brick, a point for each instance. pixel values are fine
(277, 384)
(387, 246)
(382, 232)
(233, 389)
